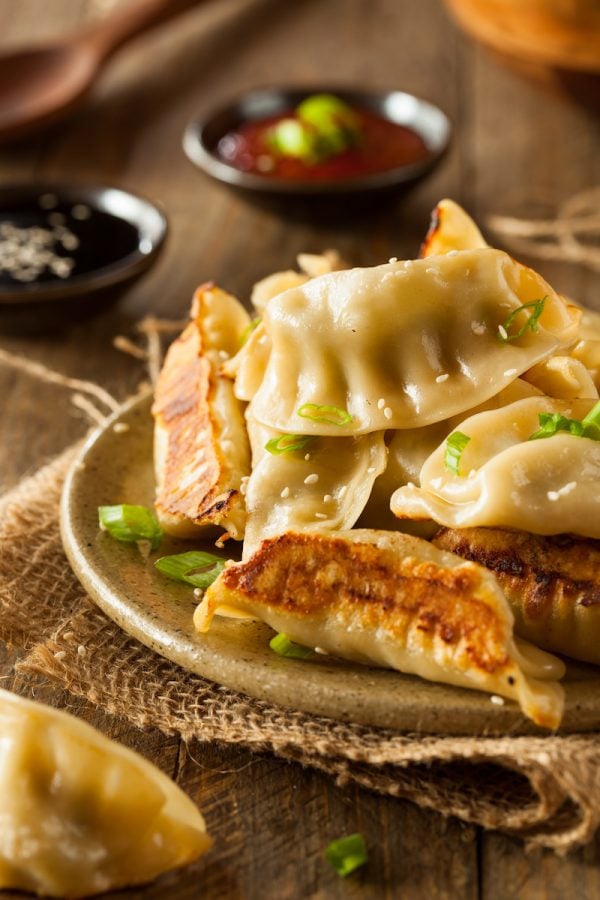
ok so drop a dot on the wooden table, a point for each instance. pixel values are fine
(514, 142)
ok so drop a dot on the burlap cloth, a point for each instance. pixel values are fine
(546, 789)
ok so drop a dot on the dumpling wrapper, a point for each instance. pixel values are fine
(81, 814)
(311, 265)
(283, 494)
(379, 342)
(563, 377)
(201, 450)
(546, 486)
(391, 600)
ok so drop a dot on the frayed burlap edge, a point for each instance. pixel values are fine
(545, 789)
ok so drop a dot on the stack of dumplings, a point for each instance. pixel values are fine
(457, 392)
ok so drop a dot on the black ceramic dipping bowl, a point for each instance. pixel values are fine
(67, 251)
(201, 139)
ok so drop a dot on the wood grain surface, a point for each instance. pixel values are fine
(518, 148)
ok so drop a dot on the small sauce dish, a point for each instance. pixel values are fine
(207, 141)
(66, 251)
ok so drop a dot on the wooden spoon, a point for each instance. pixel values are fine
(42, 84)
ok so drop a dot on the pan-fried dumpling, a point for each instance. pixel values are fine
(551, 583)
(323, 485)
(82, 814)
(404, 344)
(451, 229)
(545, 486)
(391, 600)
(201, 450)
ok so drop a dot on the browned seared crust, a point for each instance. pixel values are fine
(432, 232)
(190, 486)
(552, 583)
(308, 575)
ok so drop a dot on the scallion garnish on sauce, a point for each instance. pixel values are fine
(553, 423)
(288, 443)
(193, 567)
(455, 444)
(283, 646)
(531, 322)
(327, 415)
(130, 523)
(347, 854)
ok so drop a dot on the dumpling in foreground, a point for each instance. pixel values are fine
(81, 814)
(391, 600)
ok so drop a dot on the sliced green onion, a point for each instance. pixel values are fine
(289, 137)
(287, 443)
(591, 423)
(126, 522)
(552, 423)
(194, 567)
(283, 646)
(347, 854)
(328, 415)
(532, 321)
(336, 123)
(455, 444)
(248, 330)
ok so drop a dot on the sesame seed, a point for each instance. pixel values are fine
(563, 491)
(311, 479)
(436, 483)
(68, 636)
(380, 403)
(441, 378)
(198, 592)
(503, 332)
(370, 470)
(223, 354)
(120, 427)
(320, 515)
(478, 328)
(48, 201)
(321, 651)
(60, 654)
(393, 259)
(307, 456)
(388, 412)
(496, 700)
(342, 491)
(81, 650)
(327, 498)
(81, 212)
(510, 373)
(285, 493)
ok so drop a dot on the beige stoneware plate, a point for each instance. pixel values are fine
(116, 467)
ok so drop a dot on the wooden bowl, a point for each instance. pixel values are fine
(560, 33)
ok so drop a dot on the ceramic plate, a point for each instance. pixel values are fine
(116, 467)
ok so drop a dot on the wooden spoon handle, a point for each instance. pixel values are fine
(107, 35)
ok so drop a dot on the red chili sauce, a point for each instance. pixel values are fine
(384, 145)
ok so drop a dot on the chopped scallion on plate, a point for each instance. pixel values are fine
(283, 646)
(130, 523)
(347, 854)
(193, 567)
